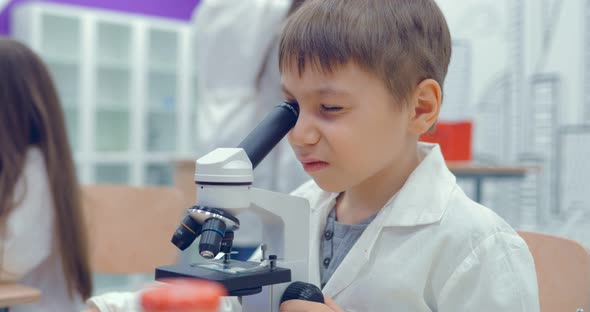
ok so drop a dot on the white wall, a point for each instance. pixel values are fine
(485, 24)
(566, 57)
(489, 26)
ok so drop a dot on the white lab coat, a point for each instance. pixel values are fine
(430, 248)
(29, 254)
(232, 41)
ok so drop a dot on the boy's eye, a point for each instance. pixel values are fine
(330, 108)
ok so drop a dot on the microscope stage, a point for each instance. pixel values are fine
(240, 278)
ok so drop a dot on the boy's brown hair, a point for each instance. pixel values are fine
(401, 41)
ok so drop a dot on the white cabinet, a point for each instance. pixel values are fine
(126, 84)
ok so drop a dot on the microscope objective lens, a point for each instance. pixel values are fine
(207, 254)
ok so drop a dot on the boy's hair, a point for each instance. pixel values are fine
(401, 41)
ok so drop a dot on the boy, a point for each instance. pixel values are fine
(393, 230)
(367, 75)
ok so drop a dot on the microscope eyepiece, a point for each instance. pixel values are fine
(212, 234)
(186, 233)
(270, 131)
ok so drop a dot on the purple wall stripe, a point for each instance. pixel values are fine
(176, 9)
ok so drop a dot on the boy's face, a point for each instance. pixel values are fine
(350, 130)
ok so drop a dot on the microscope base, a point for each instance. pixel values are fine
(242, 283)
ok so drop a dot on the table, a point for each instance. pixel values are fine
(479, 172)
(13, 294)
(185, 170)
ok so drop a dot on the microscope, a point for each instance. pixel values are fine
(223, 180)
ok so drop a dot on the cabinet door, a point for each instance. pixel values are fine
(112, 173)
(66, 76)
(60, 36)
(192, 108)
(159, 174)
(60, 49)
(162, 91)
(113, 85)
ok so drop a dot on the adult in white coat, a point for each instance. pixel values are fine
(238, 82)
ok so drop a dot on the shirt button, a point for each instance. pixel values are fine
(326, 262)
(328, 234)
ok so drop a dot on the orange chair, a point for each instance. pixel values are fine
(563, 272)
(130, 228)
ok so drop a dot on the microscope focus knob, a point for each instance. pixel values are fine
(303, 291)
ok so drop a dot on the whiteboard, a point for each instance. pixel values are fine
(573, 167)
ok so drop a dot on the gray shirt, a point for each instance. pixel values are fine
(338, 239)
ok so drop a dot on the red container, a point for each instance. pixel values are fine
(183, 295)
(454, 139)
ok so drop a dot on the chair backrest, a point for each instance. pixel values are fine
(563, 272)
(130, 228)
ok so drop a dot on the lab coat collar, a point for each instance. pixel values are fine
(423, 198)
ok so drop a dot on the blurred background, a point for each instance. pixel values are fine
(517, 94)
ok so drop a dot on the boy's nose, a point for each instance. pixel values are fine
(305, 132)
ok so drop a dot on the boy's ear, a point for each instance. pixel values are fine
(425, 106)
